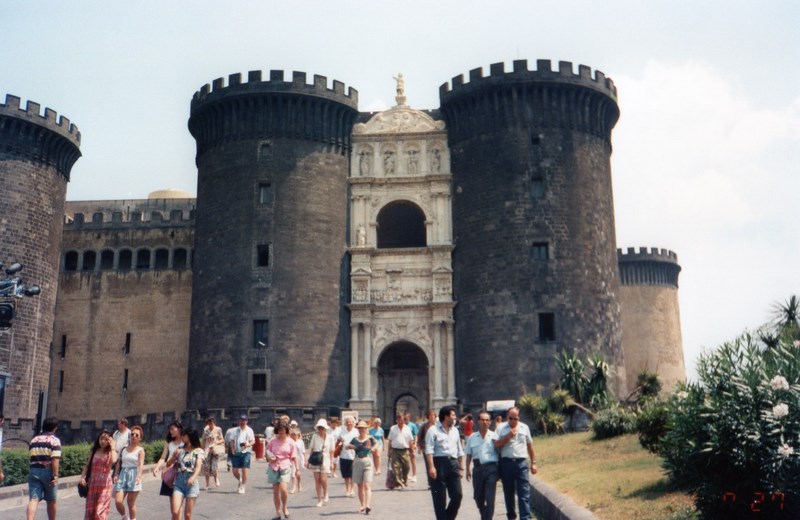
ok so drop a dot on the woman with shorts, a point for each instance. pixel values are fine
(365, 446)
(321, 448)
(189, 459)
(128, 481)
(300, 461)
(174, 435)
(281, 455)
(377, 432)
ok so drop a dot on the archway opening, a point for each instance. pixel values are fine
(401, 224)
(402, 381)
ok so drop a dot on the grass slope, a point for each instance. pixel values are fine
(614, 478)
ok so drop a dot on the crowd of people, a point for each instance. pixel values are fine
(451, 448)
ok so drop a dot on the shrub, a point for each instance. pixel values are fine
(651, 424)
(733, 438)
(613, 421)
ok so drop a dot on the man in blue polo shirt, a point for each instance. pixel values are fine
(445, 458)
(516, 458)
(481, 451)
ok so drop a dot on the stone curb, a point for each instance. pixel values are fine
(552, 505)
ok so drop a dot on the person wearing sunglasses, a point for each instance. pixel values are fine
(516, 459)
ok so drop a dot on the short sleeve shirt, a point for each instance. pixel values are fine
(43, 449)
(482, 448)
(516, 448)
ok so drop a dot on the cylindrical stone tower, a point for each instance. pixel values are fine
(535, 264)
(36, 156)
(651, 318)
(269, 262)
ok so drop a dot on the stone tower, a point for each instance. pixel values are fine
(651, 320)
(36, 156)
(535, 264)
(269, 287)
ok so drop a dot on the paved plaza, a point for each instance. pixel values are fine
(224, 503)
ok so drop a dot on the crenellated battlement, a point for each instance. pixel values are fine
(532, 99)
(520, 74)
(648, 266)
(46, 139)
(139, 212)
(218, 89)
(32, 113)
(275, 108)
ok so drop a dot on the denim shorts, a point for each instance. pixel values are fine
(126, 481)
(40, 485)
(240, 460)
(182, 486)
(279, 476)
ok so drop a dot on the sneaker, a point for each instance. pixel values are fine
(412, 479)
(241, 489)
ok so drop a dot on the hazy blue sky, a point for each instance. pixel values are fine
(706, 152)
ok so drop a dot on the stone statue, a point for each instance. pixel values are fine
(361, 235)
(400, 98)
(388, 162)
(412, 162)
(436, 161)
(364, 163)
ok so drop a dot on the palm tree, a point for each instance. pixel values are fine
(786, 316)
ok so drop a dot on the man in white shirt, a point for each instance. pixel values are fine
(122, 437)
(516, 459)
(241, 446)
(481, 451)
(401, 446)
(445, 458)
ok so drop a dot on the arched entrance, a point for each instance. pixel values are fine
(402, 381)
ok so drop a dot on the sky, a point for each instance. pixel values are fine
(706, 152)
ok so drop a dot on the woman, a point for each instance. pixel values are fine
(189, 459)
(321, 442)
(365, 447)
(214, 445)
(174, 435)
(101, 462)
(297, 437)
(281, 455)
(128, 481)
(377, 432)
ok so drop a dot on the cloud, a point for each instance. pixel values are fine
(704, 169)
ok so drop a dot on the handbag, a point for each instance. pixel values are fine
(315, 459)
(169, 475)
(83, 489)
(338, 449)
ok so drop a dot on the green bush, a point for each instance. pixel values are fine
(16, 462)
(651, 424)
(613, 421)
(733, 438)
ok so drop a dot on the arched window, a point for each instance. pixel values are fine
(89, 260)
(71, 261)
(107, 259)
(143, 259)
(162, 258)
(401, 224)
(179, 258)
(125, 260)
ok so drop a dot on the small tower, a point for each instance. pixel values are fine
(269, 287)
(36, 156)
(650, 315)
(535, 254)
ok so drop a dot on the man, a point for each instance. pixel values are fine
(430, 415)
(45, 456)
(230, 434)
(415, 432)
(516, 448)
(122, 437)
(445, 464)
(481, 451)
(347, 457)
(241, 446)
(401, 445)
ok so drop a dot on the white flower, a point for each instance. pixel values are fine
(797, 343)
(779, 383)
(785, 451)
(682, 395)
(780, 410)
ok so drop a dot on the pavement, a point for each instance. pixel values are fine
(256, 504)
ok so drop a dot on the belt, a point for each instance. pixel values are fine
(446, 457)
(479, 463)
(515, 459)
(362, 456)
(399, 449)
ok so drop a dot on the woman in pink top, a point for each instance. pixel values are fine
(281, 454)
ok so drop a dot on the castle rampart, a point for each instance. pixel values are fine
(273, 109)
(648, 267)
(48, 139)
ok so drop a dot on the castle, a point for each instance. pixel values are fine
(333, 258)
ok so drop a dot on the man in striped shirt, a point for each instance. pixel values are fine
(45, 453)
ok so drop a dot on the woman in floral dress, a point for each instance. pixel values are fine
(102, 459)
